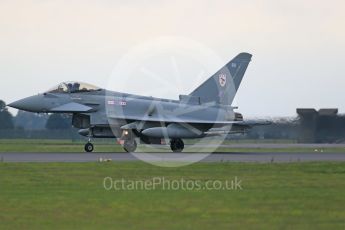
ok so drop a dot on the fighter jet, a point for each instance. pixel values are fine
(100, 113)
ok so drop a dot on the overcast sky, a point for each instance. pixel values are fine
(297, 45)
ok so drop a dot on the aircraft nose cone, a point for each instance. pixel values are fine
(31, 104)
(17, 104)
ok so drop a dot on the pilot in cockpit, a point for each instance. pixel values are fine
(69, 87)
(75, 87)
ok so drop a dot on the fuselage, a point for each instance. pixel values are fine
(115, 109)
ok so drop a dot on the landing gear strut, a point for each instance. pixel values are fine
(176, 145)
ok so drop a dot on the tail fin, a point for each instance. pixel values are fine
(221, 88)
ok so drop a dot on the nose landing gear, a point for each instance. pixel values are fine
(176, 145)
(88, 147)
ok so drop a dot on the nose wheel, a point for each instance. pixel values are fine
(88, 147)
(176, 145)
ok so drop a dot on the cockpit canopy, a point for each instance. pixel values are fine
(73, 87)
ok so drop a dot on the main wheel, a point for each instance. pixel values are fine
(130, 146)
(177, 145)
(88, 147)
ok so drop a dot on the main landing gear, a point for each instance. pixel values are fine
(130, 146)
(176, 145)
(129, 143)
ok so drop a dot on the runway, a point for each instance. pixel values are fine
(215, 157)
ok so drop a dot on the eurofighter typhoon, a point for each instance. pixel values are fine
(100, 113)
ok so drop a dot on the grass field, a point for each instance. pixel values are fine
(46, 146)
(71, 195)
(67, 146)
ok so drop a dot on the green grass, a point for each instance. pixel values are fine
(282, 150)
(67, 146)
(71, 195)
(46, 146)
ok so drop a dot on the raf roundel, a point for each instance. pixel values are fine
(222, 79)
